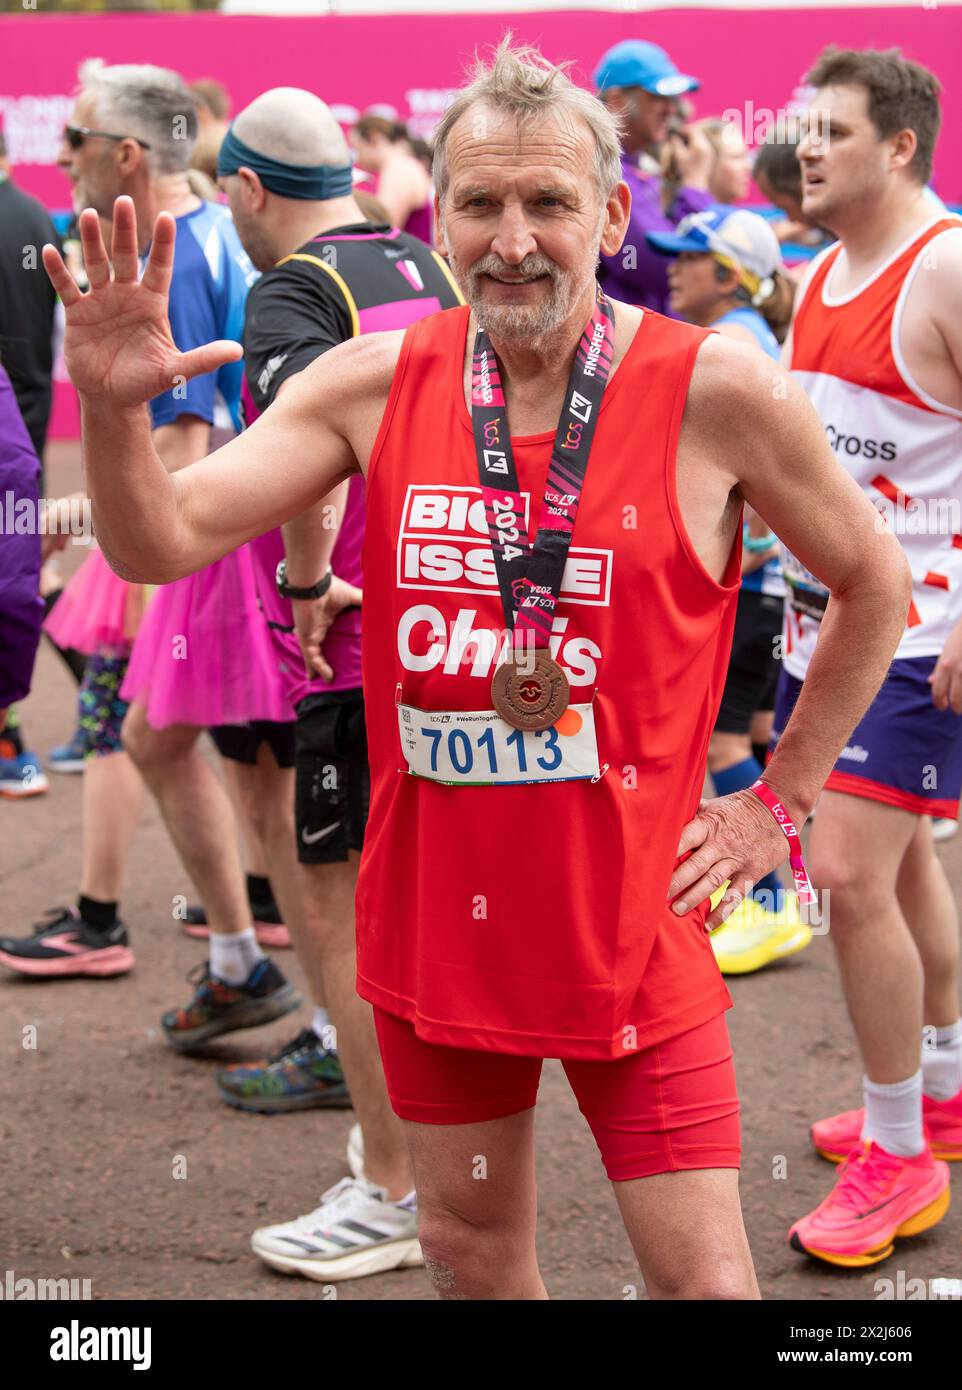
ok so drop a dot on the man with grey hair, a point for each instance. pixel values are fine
(201, 657)
(538, 887)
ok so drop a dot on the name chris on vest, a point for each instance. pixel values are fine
(426, 642)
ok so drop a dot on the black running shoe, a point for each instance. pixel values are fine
(63, 945)
(218, 1007)
(302, 1075)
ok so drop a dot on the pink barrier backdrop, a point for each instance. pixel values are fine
(749, 61)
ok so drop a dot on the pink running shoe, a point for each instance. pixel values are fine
(836, 1137)
(876, 1197)
(63, 945)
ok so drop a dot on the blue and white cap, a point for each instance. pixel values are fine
(634, 63)
(734, 236)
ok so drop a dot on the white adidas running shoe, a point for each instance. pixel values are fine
(355, 1231)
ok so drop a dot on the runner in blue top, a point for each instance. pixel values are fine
(212, 274)
(726, 273)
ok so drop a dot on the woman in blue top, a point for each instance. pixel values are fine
(726, 273)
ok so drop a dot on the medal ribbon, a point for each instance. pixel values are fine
(529, 578)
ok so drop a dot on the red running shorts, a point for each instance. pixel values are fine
(670, 1107)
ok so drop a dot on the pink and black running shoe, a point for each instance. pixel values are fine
(64, 945)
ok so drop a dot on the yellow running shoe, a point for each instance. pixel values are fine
(752, 937)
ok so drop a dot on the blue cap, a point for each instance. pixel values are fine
(634, 63)
(741, 238)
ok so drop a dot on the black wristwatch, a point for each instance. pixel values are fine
(286, 590)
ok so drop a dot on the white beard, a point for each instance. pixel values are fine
(521, 322)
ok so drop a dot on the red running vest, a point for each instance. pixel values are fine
(533, 919)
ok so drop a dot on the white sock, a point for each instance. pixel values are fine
(893, 1115)
(942, 1062)
(232, 958)
(321, 1023)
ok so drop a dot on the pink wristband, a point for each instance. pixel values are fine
(803, 884)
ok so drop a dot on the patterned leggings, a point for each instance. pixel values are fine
(100, 708)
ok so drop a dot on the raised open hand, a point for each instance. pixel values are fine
(118, 345)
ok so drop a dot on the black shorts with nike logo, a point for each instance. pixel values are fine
(332, 778)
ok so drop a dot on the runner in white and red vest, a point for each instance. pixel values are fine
(877, 346)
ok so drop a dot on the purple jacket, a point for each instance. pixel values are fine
(646, 283)
(21, 608)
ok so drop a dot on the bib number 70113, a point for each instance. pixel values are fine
(461, 750)
(479, 747)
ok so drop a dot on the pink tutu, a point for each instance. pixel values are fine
(203, 655)
(96, 609)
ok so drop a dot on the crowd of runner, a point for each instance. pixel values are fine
(239, 614)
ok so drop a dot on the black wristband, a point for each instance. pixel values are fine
(286, 590)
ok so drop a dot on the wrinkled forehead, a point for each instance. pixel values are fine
(497, 148)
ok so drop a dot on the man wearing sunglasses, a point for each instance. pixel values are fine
(202, 656)
(75, 135)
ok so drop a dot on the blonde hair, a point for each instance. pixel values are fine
(520, 81)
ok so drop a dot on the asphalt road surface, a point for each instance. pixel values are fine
(99, 1117)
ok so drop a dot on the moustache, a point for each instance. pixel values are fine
(529, 269)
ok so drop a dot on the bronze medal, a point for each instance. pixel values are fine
(531, 699)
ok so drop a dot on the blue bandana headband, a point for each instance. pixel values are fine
(315, 182)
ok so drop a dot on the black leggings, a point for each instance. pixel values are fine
(74, 661)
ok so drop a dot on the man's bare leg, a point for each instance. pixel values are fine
(113, 799)
(242, 785)
(928, 906)
(856, 851)
(197, 813)
(687, 1232)
(478, 1236)
(263, 796)
(329, 911)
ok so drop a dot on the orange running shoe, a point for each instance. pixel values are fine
(836, 1137)
(876, 1197)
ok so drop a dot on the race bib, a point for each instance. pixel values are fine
(478, 748)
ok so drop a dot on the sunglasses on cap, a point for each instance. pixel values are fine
(75, 135)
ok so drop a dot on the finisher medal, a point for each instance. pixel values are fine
(526, 694)
(530, 699)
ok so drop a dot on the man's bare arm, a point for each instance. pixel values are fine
(746, 419)
(185, 440)
(787, 471)
(310, 538)
(156, 527)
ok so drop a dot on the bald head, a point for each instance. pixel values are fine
(292, 125)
